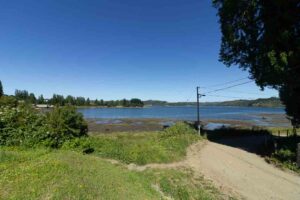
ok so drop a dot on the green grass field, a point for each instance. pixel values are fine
(69, 174)
(142, 148)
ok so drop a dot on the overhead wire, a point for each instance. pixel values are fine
(225, 83)
(228, 87)
(235, 97)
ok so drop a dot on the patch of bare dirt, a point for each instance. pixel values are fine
(236, 171)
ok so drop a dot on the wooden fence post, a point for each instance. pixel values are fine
(287, 133)
(298, 155)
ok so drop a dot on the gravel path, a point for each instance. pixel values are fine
(232, 165)
(243, 174)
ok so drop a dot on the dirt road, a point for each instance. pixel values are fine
(240, 172)
(236, 170)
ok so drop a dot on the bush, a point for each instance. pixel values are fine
(285, 155)
(82, 144)
(180, 128)
(9, 101)
(24, 126)
(65, 123)
(20, 126)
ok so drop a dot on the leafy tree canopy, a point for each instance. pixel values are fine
(1, 89)
(262, 36)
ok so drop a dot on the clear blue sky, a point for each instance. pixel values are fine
(113, 49)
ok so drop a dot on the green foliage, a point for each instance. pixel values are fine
(60, 174)
(263, 38)
(57, 100)
(180, 128)
(22, 95)
(24, 126)
(290, 95)
(20, 126)
(139, 148)
(88, 102)
(136, 103)
(70, 100)
(41, 100)
(64, 123)
(285, 155)
(32, 98)
(261, 102)
(60, 100)
(42, 174)
(184, 185)
(80, 101)
(83, 145)
(8, 101)
(1, 89)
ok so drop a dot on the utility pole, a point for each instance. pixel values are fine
(198, 110)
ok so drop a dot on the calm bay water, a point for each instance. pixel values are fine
(181, 112)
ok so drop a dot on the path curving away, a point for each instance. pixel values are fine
(236, 171)
(245, 173)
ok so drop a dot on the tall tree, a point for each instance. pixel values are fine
(57, 100)
(136, 102)
(22, 95)
(1, 89)
(88, 102)
(70, 100)
(80, 101)
(96, 102)
(262, 37)
(41, 99)
(32, 98)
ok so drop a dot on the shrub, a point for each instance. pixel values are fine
(20, 126)
(82, 144)
(64, 123)
(180, 128)
(8, 101)
(24, 126)
(285, 155)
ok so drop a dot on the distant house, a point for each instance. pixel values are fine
(41, 106)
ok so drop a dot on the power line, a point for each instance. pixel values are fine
(243, 92)
(225, 83)
(235, 97)
(225, 88)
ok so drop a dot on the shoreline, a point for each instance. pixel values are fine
(110, 125)
(149, 106)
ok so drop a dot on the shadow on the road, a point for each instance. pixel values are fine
(256, 141)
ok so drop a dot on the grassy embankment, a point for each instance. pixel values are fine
(139, 148)
(69, 174)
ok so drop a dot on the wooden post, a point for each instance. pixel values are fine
(298, 155)
(287, 133)
(279, 133)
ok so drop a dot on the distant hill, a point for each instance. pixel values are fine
(261, 102)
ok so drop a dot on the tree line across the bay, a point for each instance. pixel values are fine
(56, 99)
